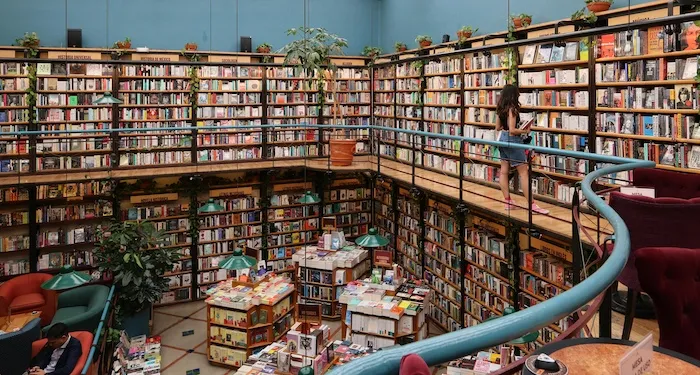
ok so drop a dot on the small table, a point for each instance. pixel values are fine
(17, 321)
(601, 356)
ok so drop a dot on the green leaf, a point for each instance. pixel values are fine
(138, 261)
(127, 256)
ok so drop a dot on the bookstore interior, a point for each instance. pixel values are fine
(490, 204)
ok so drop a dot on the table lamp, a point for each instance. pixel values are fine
(67, 278)
(238, 261)
(210, 206)
(309, 198)
(107, 98)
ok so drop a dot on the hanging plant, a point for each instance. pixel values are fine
(510, 59)
(586, 16)
(30, 42)
(400, 47)
(121, 48)
(31, 92)
(192, 72)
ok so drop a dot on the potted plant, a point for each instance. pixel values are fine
(400, 47)
(598, 5)
(583, 15)
(123, 44)
(521, 20)
(311, 55)
(465, 32)
(371, 52)
(190, 46)
(424, 41)
(135, 254)
(30, 42)
(263, 48)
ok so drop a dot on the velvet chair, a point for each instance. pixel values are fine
(85, 339)
(81, 308)
(671, 276)
(653, 222)
(669, 184)
(16, 348)
(25, 295)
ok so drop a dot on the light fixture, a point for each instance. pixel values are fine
(210, 206)
(372, 239)
(107, 98)
(67, 278)
(238, 261)
(309, 198)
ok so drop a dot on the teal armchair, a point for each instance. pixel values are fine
(80, 308)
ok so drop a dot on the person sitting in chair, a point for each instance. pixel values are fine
(60, 354)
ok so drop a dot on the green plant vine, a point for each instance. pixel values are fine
(194, 87)
(510, 59)
(31, 94)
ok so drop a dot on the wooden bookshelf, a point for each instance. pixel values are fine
(349, 101)
(348, 200)
(409, 234)
(409, 107)
(16, 240)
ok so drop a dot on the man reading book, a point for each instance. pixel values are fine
(60, 354)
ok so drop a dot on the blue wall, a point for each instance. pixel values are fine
(169, 24)
(403, 20)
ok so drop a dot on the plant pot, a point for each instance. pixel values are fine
(425, 43)
(342, 151)
(124, 45)
(598, 6)
(33, 45)
(263, 50)
(462, 35)
(138, 324)
(190, 47)
(402, 49)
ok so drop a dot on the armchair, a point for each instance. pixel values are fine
(652, 222)
(81, 308)
(668, 183)
(85, 339)
(670, 276)
(24, 294)
(18, 347)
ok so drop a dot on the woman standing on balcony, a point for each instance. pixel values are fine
(508, 112)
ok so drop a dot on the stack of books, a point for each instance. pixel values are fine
(243, 297)
(313, 257)
(137, 356)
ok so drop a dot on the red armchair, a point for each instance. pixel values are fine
(85, 339)
(24, 294)
(653, 222)
(671, 276)
(668, 183)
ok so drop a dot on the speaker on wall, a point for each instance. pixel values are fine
(446, 38)
(246, 44)
(74, 38)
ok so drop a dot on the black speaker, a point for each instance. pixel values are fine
(75, 38)
(446, 38)
(246, 44)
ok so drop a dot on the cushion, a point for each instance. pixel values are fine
(27, 302)
(68, 312)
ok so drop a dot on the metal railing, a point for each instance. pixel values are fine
(99, 341)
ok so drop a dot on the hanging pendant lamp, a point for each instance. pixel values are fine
(309, 198)
(67, 278)
(372, 239)
(238, 261)
(210, 206)
(107, 98)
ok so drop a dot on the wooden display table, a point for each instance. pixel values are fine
(602, 356)
(246, 316)
(322, 275)
(16, 322)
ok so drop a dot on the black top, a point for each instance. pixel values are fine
(504, 119)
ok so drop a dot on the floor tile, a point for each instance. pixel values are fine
(173, 336)
(162, 322)
(182, 309)
(201, 314)
(194, 361)
(168, 355)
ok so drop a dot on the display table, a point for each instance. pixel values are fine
(246, 316)
(383, 315)
(322, 274)
(16, 322)
(601, 356)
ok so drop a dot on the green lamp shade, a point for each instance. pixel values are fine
(238, 261)
(211, 206)
(309, 198)
(372, 239)
(67, 278)
(107, 98)
(308, 370)
(524, 339)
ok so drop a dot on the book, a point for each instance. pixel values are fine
(529, 56)
(544, 53)
(43, 69)
(686, 96)
(557, 54)
(571, 51)
(655, 40)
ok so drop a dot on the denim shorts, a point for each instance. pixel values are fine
(515, 156)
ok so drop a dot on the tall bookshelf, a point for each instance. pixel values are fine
(384, 95)
(15, 238)
(229, 96)
(409, 234)
(350, 88)
(409, 112)
(384, 212)
(14, 117)
(348, 200)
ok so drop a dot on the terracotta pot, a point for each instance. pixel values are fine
(426, 43)
(461, 35)
(598, 6)
(123, 45)
(263, 50)
(190, 47)
(342, 151)
(401, 49)
(517, 22)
